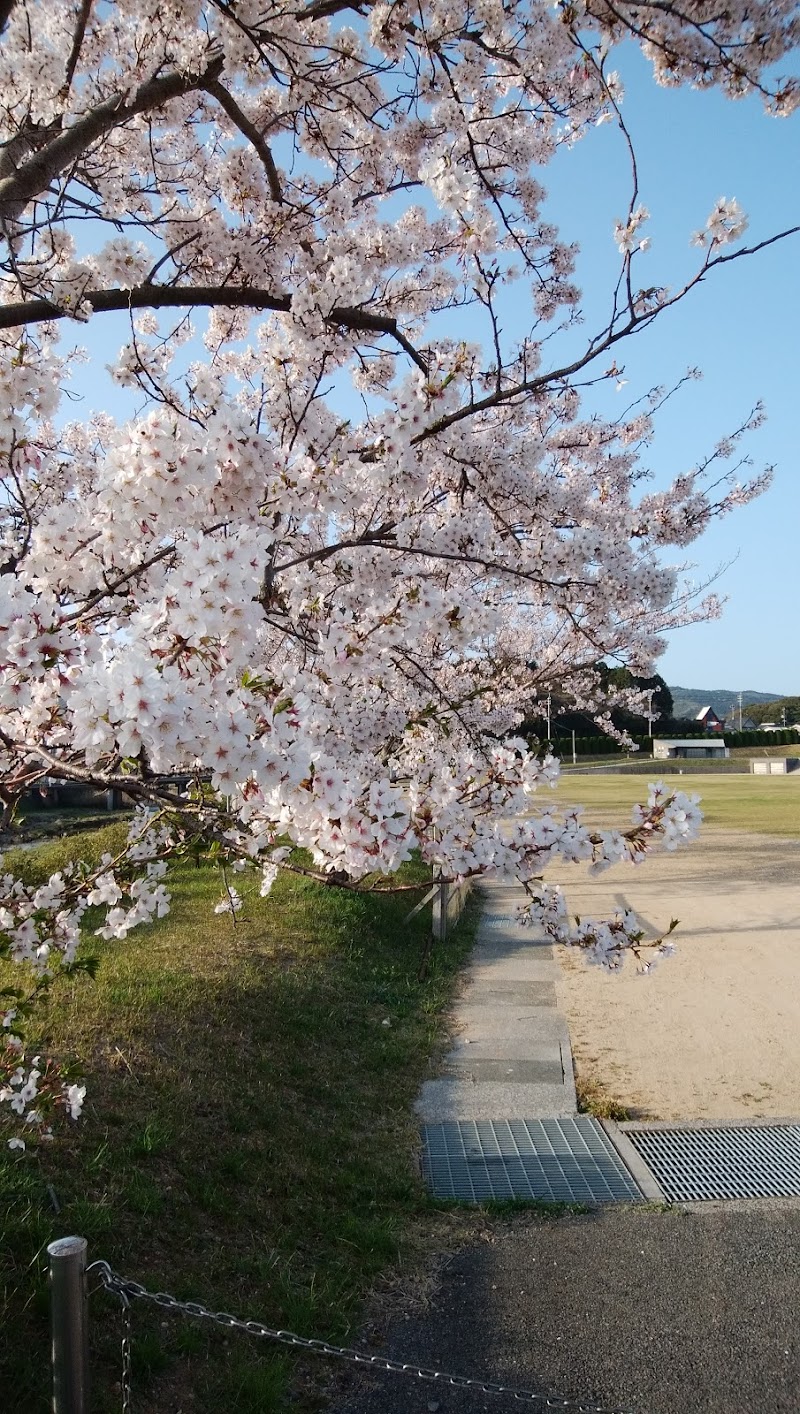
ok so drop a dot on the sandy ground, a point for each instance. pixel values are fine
(714, 1032)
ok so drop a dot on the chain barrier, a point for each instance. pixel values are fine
(126, 1350)
(129, 1291)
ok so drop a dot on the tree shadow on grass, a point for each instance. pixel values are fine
(248, 1140)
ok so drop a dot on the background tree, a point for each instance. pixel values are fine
(639, 699)
(784, 712)
(322, 550)
(623, 700)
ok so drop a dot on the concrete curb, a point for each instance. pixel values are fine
(634, 1163)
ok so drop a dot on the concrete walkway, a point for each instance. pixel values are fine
(627, 1308)
(511, 1056)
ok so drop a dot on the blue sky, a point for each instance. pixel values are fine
(740, 328)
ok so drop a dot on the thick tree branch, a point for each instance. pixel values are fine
(250, 131)
(80, 31)
(35, 175)
(14, 316)
(322, 9)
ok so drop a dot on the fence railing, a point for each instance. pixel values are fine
(69, 1288)
(448, 900)
(448, 905)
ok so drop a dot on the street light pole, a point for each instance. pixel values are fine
(650, 692)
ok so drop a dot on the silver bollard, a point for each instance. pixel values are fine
(69, 1325)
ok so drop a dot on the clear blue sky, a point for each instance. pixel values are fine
(741, 329)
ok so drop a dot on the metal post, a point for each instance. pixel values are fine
(69, 1325)
(440, 911)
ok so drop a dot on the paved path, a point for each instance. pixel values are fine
(655, 1312)
(511, 1056)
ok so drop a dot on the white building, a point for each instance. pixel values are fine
(709, 748)
(774, 765)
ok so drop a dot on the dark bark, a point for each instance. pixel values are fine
(14, 316)
(34, 176)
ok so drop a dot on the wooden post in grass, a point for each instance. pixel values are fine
(69, 1325)
(440, 911)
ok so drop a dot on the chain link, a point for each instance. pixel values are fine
(128, 1291)
(126, 1352)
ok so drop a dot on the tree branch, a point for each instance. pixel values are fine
(35, 175)
(322, 9)
(80, 31)
(635, 321)
(13, 316)
(250, 131)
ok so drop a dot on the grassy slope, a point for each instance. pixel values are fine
(768, 805)
(248, 1138)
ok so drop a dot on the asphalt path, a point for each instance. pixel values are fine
(657, 1312)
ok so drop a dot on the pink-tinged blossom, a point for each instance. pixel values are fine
(627, 236)
(726, 223)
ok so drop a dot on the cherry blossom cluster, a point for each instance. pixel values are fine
(352, 530)
(670, 817)
(36, 1092)
(605, 942)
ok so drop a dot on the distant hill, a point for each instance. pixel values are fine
(688, 701)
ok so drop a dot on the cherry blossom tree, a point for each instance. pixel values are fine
(350, 529)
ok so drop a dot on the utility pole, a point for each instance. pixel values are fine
(650, 692)
(574, 757)
(740, 711)
(548, 718)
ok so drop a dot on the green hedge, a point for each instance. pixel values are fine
(604, 746)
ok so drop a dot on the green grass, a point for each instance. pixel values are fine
(768, 805)
(594, 1099)
(248, 1138)
(33, 866)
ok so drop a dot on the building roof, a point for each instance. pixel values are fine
(701, 742)
(704, 712)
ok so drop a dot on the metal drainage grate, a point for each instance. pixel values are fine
(747, 1161)
(558, 1160)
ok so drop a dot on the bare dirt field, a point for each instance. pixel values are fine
(714, 1032)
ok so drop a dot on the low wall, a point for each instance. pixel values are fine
(649, 767)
